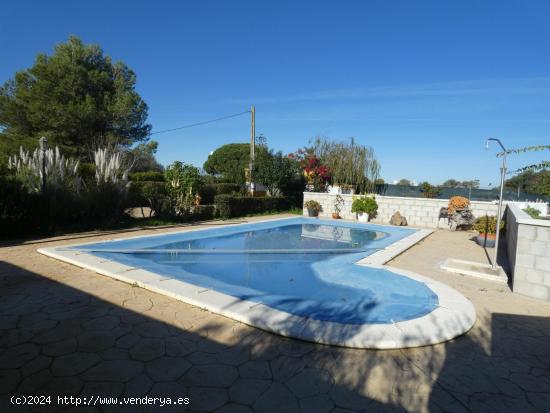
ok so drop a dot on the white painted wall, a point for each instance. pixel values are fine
(420, 212)
(528, 248)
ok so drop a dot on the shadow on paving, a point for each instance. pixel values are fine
(59, 340)
(117, 231)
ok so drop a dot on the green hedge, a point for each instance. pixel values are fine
(209, 191)
(150, 176)
(230, 206)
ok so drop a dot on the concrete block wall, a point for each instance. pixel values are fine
(528, 248)
(420, 212)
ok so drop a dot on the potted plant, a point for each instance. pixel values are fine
(487, 227)
(338, 204)
(313, 208)
(364, 207)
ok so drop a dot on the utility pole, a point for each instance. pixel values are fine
(252, 147)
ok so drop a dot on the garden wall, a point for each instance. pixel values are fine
(528, 248)
(420, 212)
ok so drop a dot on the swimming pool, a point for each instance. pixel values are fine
(297, 277)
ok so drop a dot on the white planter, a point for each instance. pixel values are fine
(362, 217)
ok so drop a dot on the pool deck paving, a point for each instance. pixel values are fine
(68, 331)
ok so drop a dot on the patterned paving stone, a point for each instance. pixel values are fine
(127, 340)
(283, 367)
(540, 401)
(63, 386)
(247, 391)
(139, 386)
(9, 379)
(147, 349)
(179, 347)
(321, 403)
(114, 353)
(152, 330)
(31, 384)
(105, 389)
(233, 355)
(56, 334)
(74, 363)
(234, 408)
(102, 323)
(207, 399)
(60, 348)
(167, 368)
(255, 370)
(277, 399)
(502, 365)
(209, 346)
(115, 370)
(13, 337)
(94, 341)
(8, 321)
(294, 348)
(35, 365)
(213, 375)
(16, 357)
(199, 358)
(309, 382)
(348, 398)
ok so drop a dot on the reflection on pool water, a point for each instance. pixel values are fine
(304, 269)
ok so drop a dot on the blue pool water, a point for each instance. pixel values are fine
(301, 266)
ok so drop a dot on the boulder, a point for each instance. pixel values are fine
(461, 219)
(398, 220)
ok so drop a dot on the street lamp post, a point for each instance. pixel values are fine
(499, 216)
(43, 142)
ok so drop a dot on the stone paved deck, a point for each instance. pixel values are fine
(68, 331)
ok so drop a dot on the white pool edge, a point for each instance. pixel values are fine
(454, 316)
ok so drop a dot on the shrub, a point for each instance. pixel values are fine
(19, 209)
(86, 170)
(209, 191)
(230, 206)
(150, 176)
(183, 182)
(364, 204)
(458, 202)
(313, 205)
(152, 194)
(533, 212)
(487, 225)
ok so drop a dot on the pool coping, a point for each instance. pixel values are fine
(455, 315)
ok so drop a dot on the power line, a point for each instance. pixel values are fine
(200, 123)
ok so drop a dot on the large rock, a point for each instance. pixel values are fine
(461, 219)
(398, 220)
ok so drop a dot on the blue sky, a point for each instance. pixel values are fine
(423, 82)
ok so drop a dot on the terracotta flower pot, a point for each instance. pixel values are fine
(312, 212)
(336, 215)
(486, 240)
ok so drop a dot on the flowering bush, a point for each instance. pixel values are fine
(457, 202)
(317, 175)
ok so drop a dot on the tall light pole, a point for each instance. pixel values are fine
(252, 148)
(43, 142)
(499, 216)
